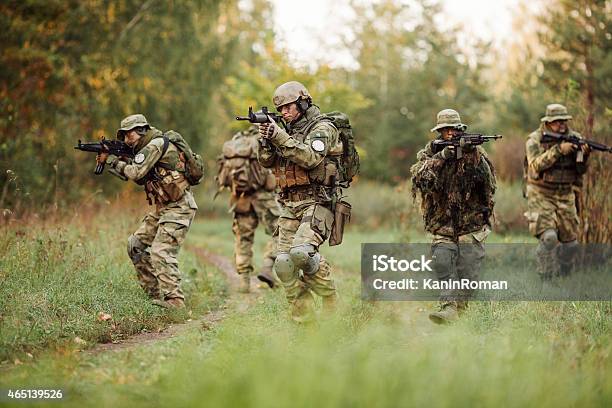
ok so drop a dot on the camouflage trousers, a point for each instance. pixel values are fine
(295, 227)
(458, 259)
(264, 209)
(552, 210)
(155, 245)
(553, 219)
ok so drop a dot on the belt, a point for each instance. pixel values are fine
(290, 195)
(561, 188)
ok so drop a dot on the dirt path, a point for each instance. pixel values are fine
(236, 302)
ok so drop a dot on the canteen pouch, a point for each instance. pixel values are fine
(342, 216)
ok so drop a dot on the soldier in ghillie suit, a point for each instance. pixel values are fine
(554, 174)
(159, 165)
(457, 204)
(307, 162)
(252, 201)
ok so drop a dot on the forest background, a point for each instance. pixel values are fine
(72, 69)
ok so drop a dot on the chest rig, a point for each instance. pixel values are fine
(563, 172)
(291, 176)
(166, 181)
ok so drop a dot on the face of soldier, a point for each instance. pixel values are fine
(558, 126)
(132, 138)
(448, 132)
(290, 112)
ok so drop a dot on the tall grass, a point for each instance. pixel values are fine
(59, 281)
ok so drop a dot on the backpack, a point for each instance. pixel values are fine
(194, 164)
(238, 167)
(349, 163)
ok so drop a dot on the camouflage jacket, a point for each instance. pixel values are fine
(298, 157)
(456, 195)
(161, 173)
(545, 165)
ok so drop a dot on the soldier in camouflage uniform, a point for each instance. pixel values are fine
(305, 174)
(457, 203)
(155, 245)
(554, 173)
(252, 201)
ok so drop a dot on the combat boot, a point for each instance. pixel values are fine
(446, 314)
(245, 283)
(266, 274)
(172, 303)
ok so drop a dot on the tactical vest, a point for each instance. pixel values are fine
(165, 182)
(563, 172)
(290, 175)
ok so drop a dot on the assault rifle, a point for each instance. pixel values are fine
(263, 116)
(116, 147)
(461, 140)
(552, 137)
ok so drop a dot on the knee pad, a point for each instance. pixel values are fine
(442, 261)
(306, 258)
(284, 267)
(135, 248)
(549, 239)
(567, 251)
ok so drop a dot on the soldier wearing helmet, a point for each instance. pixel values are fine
(457, 203)
(553, 172)
(154, 247)
(305, 173)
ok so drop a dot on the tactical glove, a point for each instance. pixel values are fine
(272, 132)
(446, 154)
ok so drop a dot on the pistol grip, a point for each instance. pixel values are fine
(99, 168)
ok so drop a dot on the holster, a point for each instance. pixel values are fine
(342, 216)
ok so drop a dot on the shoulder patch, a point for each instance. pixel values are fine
(140, 157)
(318, 145)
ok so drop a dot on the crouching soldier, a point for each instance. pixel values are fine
(160, 165)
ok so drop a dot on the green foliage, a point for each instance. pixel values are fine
(72, 71)
(55, 283)
(369, 354)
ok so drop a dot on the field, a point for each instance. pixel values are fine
(64, 289)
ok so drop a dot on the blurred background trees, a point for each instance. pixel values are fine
(72, 69)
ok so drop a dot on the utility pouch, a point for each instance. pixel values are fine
(322, 220)
(342, 216)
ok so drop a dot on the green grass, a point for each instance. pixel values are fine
(55, 281)
(370, 354)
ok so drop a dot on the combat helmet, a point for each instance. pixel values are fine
(130, 122)
(290, 92)
(449, 118)
(555, 111)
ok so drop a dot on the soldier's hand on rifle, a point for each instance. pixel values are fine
(102, 157)
(448, 153)
(567, 148)
(269, 129)
(586, 149)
